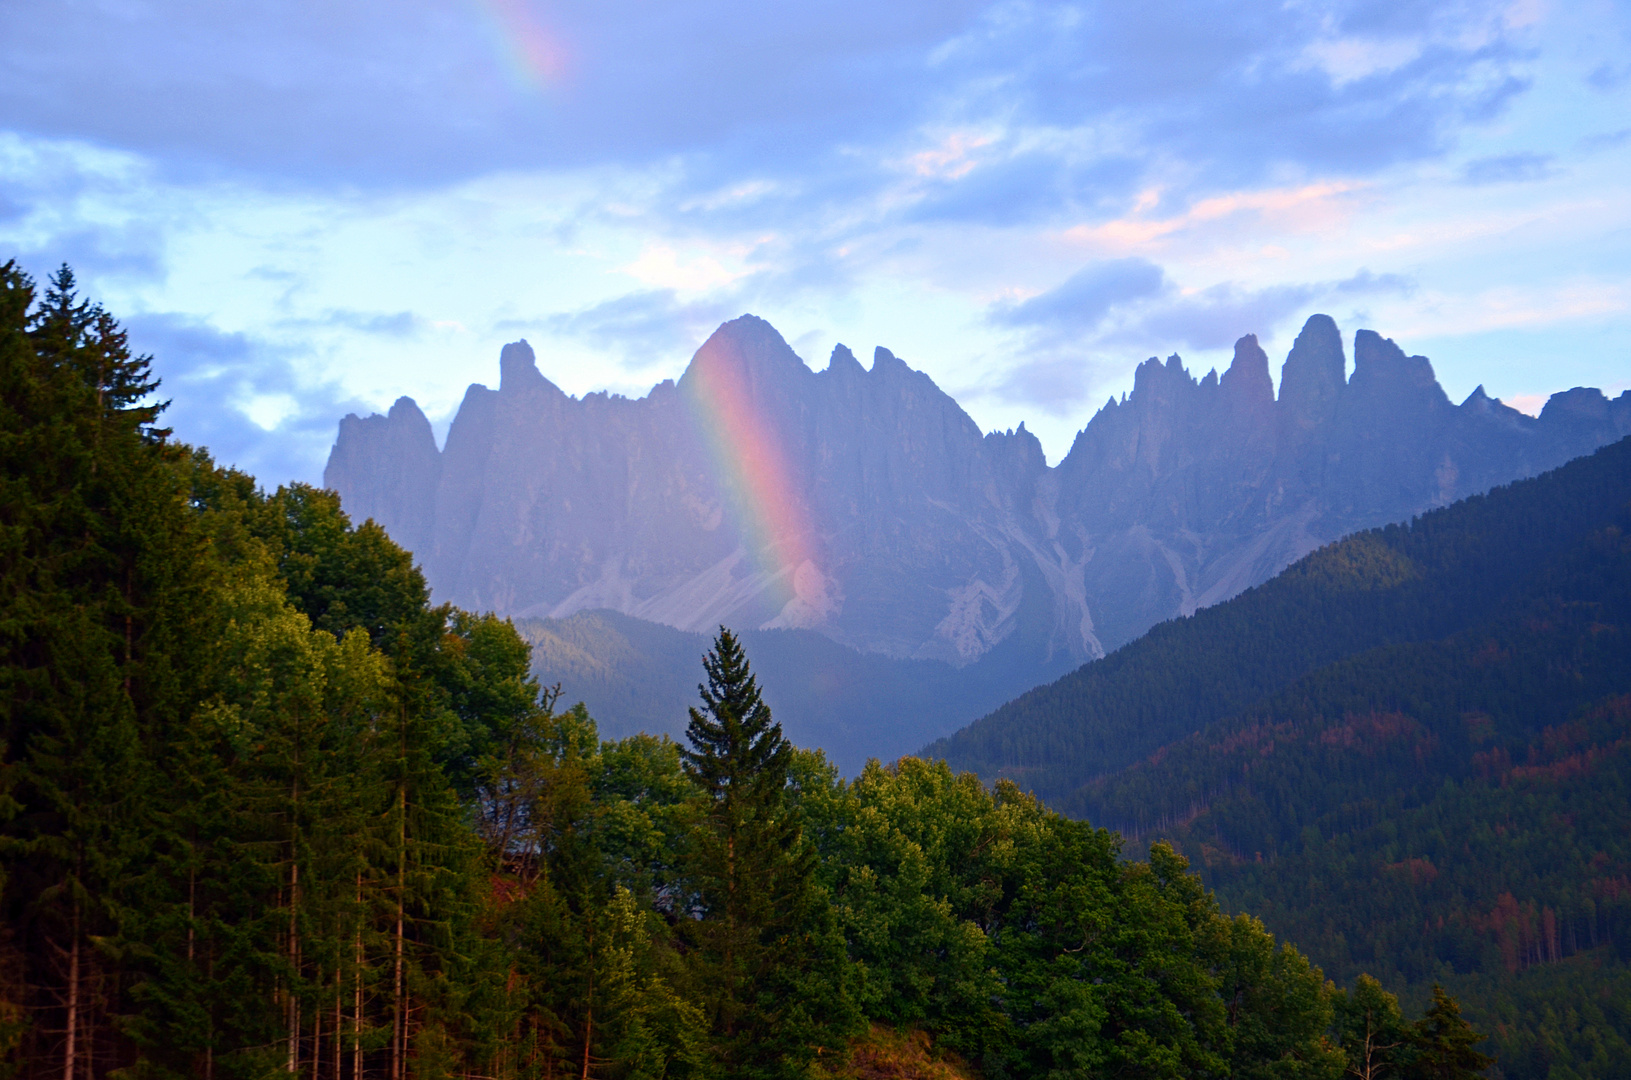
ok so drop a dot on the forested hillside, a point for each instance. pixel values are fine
(1455, 811)
(1414, 759)
(1443, 572)
(266, 810)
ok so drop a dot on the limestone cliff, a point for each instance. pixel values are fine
(863, 503)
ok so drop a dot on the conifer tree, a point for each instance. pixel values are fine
(1442, 1043)
(771, 964)
(81, 511)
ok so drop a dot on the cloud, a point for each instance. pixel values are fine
(1083, 300)
(1093, 98)
(394, 324)
(1032, 185)
(1508, 169)
(242, 398)
(1607, 76)
(1605, 140)
(1057, 385)
(1216, 317)
(97, 253)
(641, 327)
(1365, 283)
(1131, 302)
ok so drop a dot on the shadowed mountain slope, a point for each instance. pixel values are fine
(640, 676)
(1441, 573)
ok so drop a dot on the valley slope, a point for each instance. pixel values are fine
(639, 676)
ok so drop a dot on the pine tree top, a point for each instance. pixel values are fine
(737, 751)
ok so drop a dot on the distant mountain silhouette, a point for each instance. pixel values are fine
(864, 504)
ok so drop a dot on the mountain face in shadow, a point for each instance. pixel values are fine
(864, 504)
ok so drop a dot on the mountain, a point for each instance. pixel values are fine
(865, 505)
(1410, 754)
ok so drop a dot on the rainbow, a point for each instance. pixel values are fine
(533, 58)
(773, 520)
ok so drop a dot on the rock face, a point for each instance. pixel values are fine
(863, 503)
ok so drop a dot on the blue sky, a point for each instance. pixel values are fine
(304, 209)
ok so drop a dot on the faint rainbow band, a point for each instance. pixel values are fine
(775, 527)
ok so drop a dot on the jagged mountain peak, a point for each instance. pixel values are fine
(1248, 374)
(1313, 377)
(1381, 366)
(1583, 401)
(843, 363)
(747, 348)
(885, 362)
(868, 505)
(518, 369)
(406, 410)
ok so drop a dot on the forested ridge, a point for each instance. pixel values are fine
(1413, 760)
(264, 809)
(1450, 811)
(1420, 581)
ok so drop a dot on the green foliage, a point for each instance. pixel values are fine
(1279, 1007)
(770, 964)
(1371, 1030)
(1442, 1044)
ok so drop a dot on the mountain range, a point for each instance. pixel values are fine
(865, 505)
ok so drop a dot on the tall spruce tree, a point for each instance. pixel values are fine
(770, 962)
(82, 571)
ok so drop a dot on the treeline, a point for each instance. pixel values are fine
(1444, 572)
(265, 809)
(1451, 811)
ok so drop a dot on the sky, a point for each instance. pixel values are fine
(303, 209)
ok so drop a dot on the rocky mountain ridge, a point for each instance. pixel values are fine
(865, 504)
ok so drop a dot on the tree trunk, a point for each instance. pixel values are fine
(192, 911)
(71, 1046)
(293, 1013)
(589, 1015)
(356, 981)
(399, 1021)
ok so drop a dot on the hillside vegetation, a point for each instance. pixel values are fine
(1455, 811)
(1445, 571)
(1414, 758)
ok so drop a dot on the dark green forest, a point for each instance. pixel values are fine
(1414, 760)
(265, 809)
(1447, 571)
